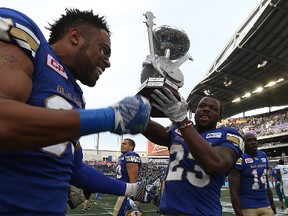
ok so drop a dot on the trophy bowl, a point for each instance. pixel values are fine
(175, 39)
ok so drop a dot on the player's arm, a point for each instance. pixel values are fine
(92, 180)
(234, 187)
(23, 126)
(213, 160)
(157, 133)
(132, 169)
(88, 178)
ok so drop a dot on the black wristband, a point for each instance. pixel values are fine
(184, 125)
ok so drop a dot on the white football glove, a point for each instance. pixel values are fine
(131, 115)
(145, 192)
(174, 109)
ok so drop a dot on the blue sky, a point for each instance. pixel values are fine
(208, 23)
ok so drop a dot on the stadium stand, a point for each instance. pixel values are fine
(271, 130)
(251, 73)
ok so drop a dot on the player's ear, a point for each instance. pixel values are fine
(74, 36)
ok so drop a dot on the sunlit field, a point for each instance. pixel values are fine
(105, 206)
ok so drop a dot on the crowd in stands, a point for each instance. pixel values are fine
(108, 168)
(261, 125)
(149, 171)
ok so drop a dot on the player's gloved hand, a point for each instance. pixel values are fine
(131, 115)
(174, 109)
(145, 192)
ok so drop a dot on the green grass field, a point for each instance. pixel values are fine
(105, 206)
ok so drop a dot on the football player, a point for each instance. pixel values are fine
(248, 182)
(128, 170)
(201, 155)
(282, 174)
(42, 111)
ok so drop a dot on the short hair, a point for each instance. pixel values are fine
(216, 98)
(281, 162)
(131, 142)
(75, 18)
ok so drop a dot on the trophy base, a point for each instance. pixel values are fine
(152, 83)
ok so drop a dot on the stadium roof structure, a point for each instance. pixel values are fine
(252, 70)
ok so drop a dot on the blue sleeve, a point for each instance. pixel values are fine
(92, 180)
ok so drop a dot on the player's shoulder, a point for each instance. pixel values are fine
(132, 153)
(18, 20)
(230, 134)
(132, 157)
(261, 153)
(18, 28)
(229, 130)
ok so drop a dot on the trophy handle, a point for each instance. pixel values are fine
(149, 23)
(178, 63)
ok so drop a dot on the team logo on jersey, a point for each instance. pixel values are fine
(248, 160)
(57, 67)
(213, 135)
(263, 160)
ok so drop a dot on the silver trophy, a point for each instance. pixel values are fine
(168, 51)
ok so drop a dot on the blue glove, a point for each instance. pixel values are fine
(131, 115)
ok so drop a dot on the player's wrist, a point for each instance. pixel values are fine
(184, 124)
(96, 120)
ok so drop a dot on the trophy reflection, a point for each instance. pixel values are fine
(168, 48)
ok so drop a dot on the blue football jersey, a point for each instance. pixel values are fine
(253, 181)
(121, 170)
(36, 182)
(122, 175)
(188, 189)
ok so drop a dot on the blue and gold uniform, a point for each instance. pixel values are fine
(253, 181)
(123, 203)
(37, 181)
(187, 186)
(121, 170)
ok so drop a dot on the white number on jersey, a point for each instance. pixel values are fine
(255, 185)
(57, 102)
(176, 173)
